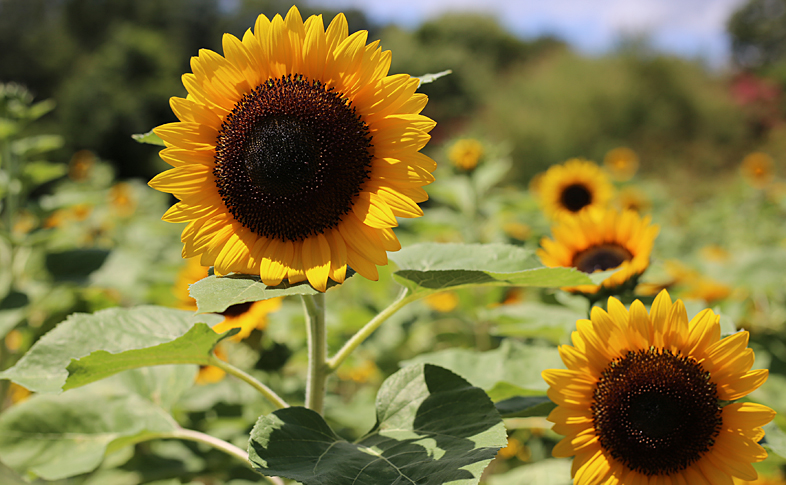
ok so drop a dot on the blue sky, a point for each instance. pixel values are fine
(691, 28)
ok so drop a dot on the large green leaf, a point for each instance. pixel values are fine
(432, 427)
(432, 267)
(115, 330)
(194, 347)
(546, 472)
(217, 293)
(60, 436)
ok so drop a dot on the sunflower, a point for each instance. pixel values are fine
(599, 240)
(758, 169)
(622, 163)
(466, 153)
(295, 152)
(573, 186)
(645, 398)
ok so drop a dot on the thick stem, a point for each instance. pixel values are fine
(263, 389)
(314, 306)
(221, 445)
(403, 299)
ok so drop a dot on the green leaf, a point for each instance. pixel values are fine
(12, 311)
(512, 362)
(148, 138)
(215, 294)
(194, 347)
(61, 436)
(41, 172)
(775, 439)
(533, 319)
(432, 427)
(75, 265)
(525, 406)
(36, 145)
(433, 267)
(430, 78)
(44, 367)
(546, 472)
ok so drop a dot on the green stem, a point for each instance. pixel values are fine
(221, 445)
(314, 306)
(403, 299)
(263, 389)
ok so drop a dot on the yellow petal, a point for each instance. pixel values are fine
(316, 261)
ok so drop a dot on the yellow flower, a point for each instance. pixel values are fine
(758, 169)
(515, 448)
(644, 398)
(444, 301)
(248, 317)
(632, 198)
(713, 252)
(622, 163)
(81, 165)
(295, 152)
(466, 153)
(192, 272)
(577, 184)
(18, 393)
(600, 240)
(706, 289)
(209, 374)
(517, 230)
(122, 199)
(362, 373)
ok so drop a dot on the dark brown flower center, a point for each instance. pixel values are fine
(601, 258)
(655, 411)
(575, 197)
(291, 157)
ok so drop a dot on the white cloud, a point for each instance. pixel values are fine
(687, 27)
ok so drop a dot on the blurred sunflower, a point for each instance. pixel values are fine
(644, 398)
(444, 301)
(466, 153)
(122, 200)
(632, 198)
(758, 169)
(599, 240)
(295, 152)
(568, 188)
(622, 163)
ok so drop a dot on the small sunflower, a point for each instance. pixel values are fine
(466, 153)
(758, 169)
(599, 240)
(633, 198)
(645, 398)
(295, 152)
(568, 188)
(622, 163)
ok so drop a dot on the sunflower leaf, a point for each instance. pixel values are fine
(194, 347)
(431, 267)
(775, 439)
(148, 138)
(413, 441)
(217, 293)
(44, 368)
(56, 437)
(430, 78)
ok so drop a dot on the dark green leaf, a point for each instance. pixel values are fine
(12, 309)
(62, 436)
(432, 267)
(525, 406)
(76, 264)
(115, 330)
(194, 347)
(432, 427)
(149, 138)
(217, 293)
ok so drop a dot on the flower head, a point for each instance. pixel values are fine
(466, 153)
(758, 169)
(600, 240)
(294, 153)
(573, 186)
(622, 163)
(644, 398)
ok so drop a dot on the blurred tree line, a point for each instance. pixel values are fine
(112, 65)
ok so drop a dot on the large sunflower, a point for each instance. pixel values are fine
(599, 240)
(295, 152)
(645, 398)
(568, 188)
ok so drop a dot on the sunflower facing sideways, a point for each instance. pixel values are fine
(573, 186)
(295, 152)
(645, 398)
(598, 240)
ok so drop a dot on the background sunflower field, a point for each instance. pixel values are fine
(700, 152)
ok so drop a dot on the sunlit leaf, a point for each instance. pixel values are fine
(775, 439)
(148, 138)
(546, 472)
(41, 172)
(115, 330)
(56, 437)
(432, 427)
(430, 78)
(432, 267)
(194, 347)
(217, 293)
